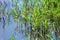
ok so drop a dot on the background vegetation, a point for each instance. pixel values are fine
(41, 18)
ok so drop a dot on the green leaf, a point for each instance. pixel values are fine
(12, 38)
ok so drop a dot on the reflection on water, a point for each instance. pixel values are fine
(9, 31)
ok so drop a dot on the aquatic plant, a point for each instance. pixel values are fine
(43, 17)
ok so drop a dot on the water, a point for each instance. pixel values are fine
(9, 31)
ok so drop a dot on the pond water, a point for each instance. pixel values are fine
(8, 32)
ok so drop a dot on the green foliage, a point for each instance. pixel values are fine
(43, 13)
(12, 38)
(16, 14)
